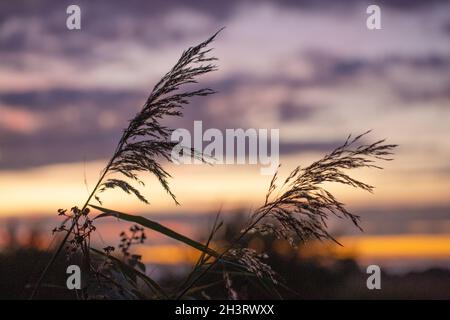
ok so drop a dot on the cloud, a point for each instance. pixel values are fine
(404, 220)
(59, 97)
(290, 111)
(60, 125)
(66, 95)
(38, 125)
(42, 28)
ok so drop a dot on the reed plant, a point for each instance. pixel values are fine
(297, 209)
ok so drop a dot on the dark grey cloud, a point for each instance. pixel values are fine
(41, 26)
(24, 151)
(446, 28)
(415, 95)
(410, 93)
(59, 97)
(401, 220)
(292, 111)
(136, 20)
(151, 8)
(72, 129)
(334, 4)
(330, 70)
(431, 61)
(302, 147)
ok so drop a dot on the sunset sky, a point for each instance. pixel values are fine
(309, 68)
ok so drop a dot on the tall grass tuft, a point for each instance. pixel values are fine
(297, 210)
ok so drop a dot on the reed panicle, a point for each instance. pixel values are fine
(303, 205)
(146, 140)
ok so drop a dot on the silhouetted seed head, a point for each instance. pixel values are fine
(302, 206)
(146, 141)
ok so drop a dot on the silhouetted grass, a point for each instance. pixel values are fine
(297, 210)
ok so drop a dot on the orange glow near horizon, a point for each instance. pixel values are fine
(202, 188)
(411, 246)
(398, 246)
(405, 246)
(168, 254)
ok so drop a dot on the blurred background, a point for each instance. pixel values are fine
(310, 68)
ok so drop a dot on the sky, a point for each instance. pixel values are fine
(309, 68)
